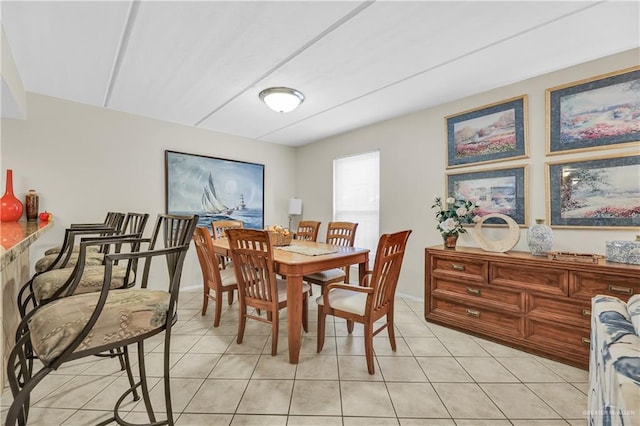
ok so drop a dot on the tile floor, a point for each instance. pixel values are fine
(437, 376)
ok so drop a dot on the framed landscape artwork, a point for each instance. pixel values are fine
(603, 192)
(214, 188)
(487, 134)
(597, 113)
(494, 191)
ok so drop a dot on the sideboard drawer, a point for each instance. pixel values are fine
(585, 285)
(464, 269)
(546, 280)
(563, 338)
(480, 319)
(564, 311)
(480, 295)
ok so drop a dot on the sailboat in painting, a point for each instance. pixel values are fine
(211, 204)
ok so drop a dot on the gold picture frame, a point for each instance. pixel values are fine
(594, 193)
(596, 113)
(488, 134)
(501, 190)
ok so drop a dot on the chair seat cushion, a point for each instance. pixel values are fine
(90, 260)
(126, 314)
(228, 277)
(47, 283)
(345, 300)
(332, 275)
(76, 249)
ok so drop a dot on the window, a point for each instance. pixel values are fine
(356, 196)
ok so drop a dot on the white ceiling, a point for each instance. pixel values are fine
(203, 63)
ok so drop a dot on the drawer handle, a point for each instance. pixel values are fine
(620, 290)
(586, 312)
(457, 267)
(473, 313)
(474, 291)
(586, 341)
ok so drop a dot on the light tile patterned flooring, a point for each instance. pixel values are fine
(437, 376)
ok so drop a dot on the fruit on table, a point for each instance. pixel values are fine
(278, 228)
(45, 216)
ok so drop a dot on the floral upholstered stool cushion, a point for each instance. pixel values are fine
(91, 259)
(76, 249)
(46, 284)
(126, 314)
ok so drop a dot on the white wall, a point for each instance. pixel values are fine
(84, 161)
(12, 94)
(412, 161)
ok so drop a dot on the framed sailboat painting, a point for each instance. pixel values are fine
(214, 188)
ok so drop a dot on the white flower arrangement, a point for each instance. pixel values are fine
(451, 218)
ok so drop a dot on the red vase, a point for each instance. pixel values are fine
(10, 206)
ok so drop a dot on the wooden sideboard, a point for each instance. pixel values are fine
(528, 302)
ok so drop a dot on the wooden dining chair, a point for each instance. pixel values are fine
(219, 228)
(213, 278)
(371, 300)
(339, 234)
(258, 286)
(307, 230)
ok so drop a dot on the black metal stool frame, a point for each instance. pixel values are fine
(177, 235)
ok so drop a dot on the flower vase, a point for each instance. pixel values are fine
(10, 206)
(450, 241)
(540, 238)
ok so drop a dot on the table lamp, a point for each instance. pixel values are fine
(295, 208)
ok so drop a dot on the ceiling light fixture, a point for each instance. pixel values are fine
(281, 99)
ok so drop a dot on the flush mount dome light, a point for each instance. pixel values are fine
(281, 99)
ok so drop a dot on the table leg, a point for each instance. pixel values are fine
(294, 315)
(362, 270)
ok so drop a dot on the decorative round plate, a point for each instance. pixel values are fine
(499, 246)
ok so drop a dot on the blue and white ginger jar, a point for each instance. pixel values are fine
(540, 238)
(624, 251)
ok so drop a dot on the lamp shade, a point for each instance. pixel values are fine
(281, 99)
(295, 206)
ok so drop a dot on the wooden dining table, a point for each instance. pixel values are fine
(294, 266)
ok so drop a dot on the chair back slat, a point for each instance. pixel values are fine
(114, 219)
(386, 270)
(341, 233)
(307, 230)
(252, 254)
(220, 226)
(170, 231)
